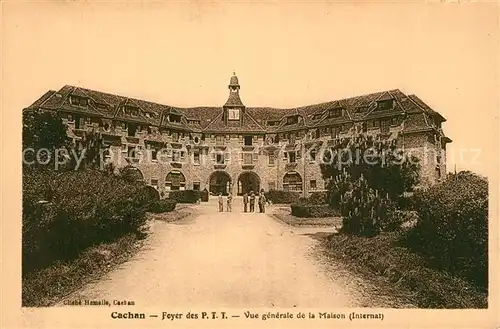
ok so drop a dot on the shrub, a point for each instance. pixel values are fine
(279, 196)
(313, 210)
(453, 225)
(204, 195)
(365, 211)
(186, 196)
(164, 205)
(66, 212)
(318, 198)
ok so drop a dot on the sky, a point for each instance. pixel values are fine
(285, 55)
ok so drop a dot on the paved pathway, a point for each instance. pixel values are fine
(226, 260)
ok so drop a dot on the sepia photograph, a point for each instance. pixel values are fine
(217, 164)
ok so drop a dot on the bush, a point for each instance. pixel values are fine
(66, 212)
(453, 225)
(187, 196)
(313, 210)
(279, 196)
(161, 206)
(365, 211)
(318, 198)
(204, 195)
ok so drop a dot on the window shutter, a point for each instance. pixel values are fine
(227, 156)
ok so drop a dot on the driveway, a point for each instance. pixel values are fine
(230, 260)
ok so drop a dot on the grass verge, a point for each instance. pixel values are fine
(383, 259)
(47, 286)
(308, 222)
(50, 285)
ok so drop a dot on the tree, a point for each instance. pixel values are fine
(43, 132)
(366, 176)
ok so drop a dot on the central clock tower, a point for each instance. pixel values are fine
(234, 110)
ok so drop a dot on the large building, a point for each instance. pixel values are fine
(237, 148)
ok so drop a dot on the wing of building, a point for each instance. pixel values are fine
(237, 148)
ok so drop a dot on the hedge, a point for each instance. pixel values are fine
(186, 196)
(313, 211)
(279, 196)
(453, 226)
(161, 206)
(66, 212)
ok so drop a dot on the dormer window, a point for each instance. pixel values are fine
(174, 118)
(272, 123)
(78, 101)
(317, 116)
(335, 113)
(101, 106)
(386, 104)
(292, 120)
(194, 122)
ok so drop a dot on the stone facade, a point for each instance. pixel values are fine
(235, 148)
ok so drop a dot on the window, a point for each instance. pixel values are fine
(154, 154)
(131, 130)
(248, 140)
(271, 159)
(175, 181)
(196, 186)
(376, 123)
(385, 125)
(333, 113)
(183, 154)
(196, 156)
(395, 121)
(247, 158)
(291, 120)
(131, 152)
(292, 182)
(219, 139)
(88, 121)
(291, 157)
(175, 156)
(385, 104)
(312, 184)
(335, 131)
(285, 155)
(272, 185)
(154, 183)
(78, 101)
(272, 123)
(219, 158)
(70, 117)
(312, 155)
(174, 118)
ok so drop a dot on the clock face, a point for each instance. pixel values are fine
(234, 114)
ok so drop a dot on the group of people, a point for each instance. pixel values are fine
(248, 199)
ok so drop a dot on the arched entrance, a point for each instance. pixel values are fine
(248, 181)
(175, 181)
(220, 182)
(292, 181)
(132, 174)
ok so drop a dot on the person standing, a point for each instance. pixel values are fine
(245, 202)
(252, 201)
(262, 202)
(221, 203)
(229, 207)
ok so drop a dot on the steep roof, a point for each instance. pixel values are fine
(256, 118)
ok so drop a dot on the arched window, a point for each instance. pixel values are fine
(175, 181)
(292, 181)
